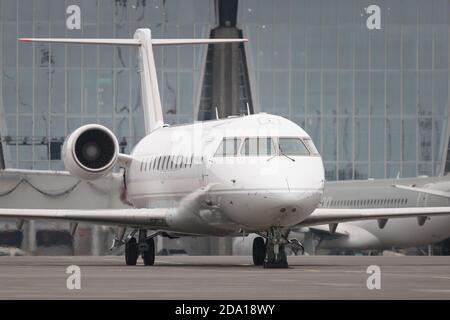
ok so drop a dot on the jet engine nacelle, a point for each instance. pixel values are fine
(90, 152)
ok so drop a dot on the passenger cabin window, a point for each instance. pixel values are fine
(228, 147)
(166, 163)
(292, 147)
(258, 147)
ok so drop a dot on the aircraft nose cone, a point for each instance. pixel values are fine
(265, 209)
(294, 207)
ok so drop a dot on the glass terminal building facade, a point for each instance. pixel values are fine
(369, 80)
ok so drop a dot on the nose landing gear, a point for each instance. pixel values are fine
(272, 253)
(296, 246)
(275, 249)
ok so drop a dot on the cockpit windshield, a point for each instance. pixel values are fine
(266, 146)
(258, 147)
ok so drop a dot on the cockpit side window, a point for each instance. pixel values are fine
(310, 145)
(260, 146)
(228, 147)
(292, 147)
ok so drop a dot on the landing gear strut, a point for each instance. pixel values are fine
(145, 248)
(275, 249)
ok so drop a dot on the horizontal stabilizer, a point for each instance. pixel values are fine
(128, 42)
(164, 42)
(132, 42)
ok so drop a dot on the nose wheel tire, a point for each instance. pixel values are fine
(259, 251)
(149, 255)
(131, 252)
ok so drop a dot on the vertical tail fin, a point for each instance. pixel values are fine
(151, 101)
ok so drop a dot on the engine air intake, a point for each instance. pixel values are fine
(95, 149)
(90, 152)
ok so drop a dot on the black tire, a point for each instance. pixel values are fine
(149, 255)
(259, 251)
(131, 252)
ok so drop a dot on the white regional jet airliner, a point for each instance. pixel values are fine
(253, 174)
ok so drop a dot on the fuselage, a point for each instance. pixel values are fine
(250, 173)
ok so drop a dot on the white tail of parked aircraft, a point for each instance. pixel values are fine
(199, 191)
(151, 101)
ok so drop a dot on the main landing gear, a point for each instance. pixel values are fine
(272, 253)
(259, 251)
(145, 247)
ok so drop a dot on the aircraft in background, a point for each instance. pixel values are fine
(259, 174)
(388, 193)
(379, 234)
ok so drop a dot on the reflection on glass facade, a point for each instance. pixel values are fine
(49, 90)
(374, 100)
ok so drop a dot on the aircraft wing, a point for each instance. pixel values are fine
(335, 216)
(155, 218)
(43, 189)
(150, 218)
(429, 191)
(324, 229)
(35, 172)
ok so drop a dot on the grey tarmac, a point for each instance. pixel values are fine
(225, 277)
